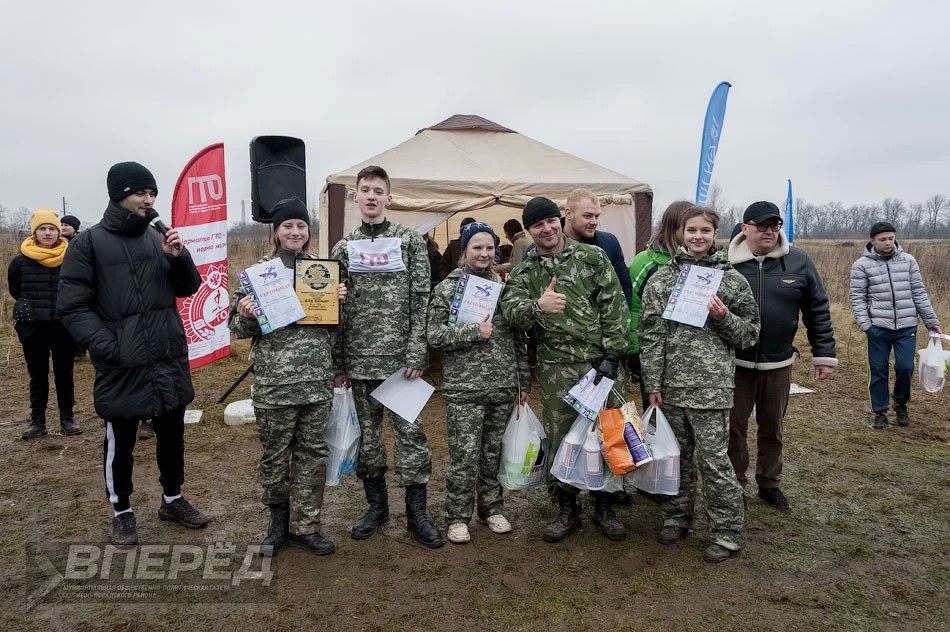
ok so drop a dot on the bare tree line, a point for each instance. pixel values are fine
(929, 219)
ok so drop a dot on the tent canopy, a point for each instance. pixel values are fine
(467, 164)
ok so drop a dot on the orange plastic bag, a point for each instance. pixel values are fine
(615, 446)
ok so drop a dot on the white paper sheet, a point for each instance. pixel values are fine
(402, 396)
(795, 389)
(193, 416)
(588, 398)
(689, 300)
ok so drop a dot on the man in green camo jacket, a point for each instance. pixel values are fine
(571, 294)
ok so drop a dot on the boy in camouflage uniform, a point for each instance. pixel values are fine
(387, 269)
(689, 371)
(570, 292)
(292, 395)
(485, 370)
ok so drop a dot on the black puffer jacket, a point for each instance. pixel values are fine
(784, 283)
(117, 295)
(36, 283)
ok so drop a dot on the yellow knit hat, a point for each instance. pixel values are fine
(45, 216)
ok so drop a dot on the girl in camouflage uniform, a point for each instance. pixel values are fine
(292, 395)
(485, 372)
(689, 371)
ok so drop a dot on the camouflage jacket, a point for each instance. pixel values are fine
(692, 367)
(596, 318)
(469, 362)
(385, 312)
(293, 365)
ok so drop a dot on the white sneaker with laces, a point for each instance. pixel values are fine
(458, 533)
(498, 524)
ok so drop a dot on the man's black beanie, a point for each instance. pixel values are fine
(289, 208)
(882, 227)
(72, 220)
(537, 209)
(126, 178)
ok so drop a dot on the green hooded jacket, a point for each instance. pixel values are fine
(644, 266)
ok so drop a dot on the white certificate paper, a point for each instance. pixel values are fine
(474, 298)
(403, 396)
(689, 300)
(588, 398)
(275, 300)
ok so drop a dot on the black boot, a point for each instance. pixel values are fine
(37, 427)
(313, 542)
(417, 520)
(605, 518)
(278, 531)
(67, 424)
(378, 512)
(568, 517)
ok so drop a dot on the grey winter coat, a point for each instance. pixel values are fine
(889, 292)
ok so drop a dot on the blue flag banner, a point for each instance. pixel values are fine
(789, 216)
(712, 128)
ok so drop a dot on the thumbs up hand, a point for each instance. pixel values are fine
(485, 328)
(552, 302)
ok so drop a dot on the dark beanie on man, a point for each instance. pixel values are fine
(538, 209)
(882, 227)
(126, 178)
(289, 208)
(72, 220)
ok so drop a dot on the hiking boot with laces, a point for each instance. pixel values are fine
(418, 522)
(279, 530)
(124, 532)
(69, 427)
(716, 553)
(568, 518)
(774, 497)
(903, 417)
(181, 511)
(605, 518)
(313, 542)
(36, 429)
(880, 421)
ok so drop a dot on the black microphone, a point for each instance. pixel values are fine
(152, 216)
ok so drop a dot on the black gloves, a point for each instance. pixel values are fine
(606, 366)
(633, 365)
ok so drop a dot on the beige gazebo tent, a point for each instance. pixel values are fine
(469, 166)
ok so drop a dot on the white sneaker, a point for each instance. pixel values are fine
(498, 524)
(458, 533)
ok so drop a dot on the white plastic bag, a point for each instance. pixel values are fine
(933, 366)
(524, 451)
(343, 436)
(579, 460)
(662, 475)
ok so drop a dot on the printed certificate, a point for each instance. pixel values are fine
(689, 300)
(315, 281)
(272, 286)
(474, 298)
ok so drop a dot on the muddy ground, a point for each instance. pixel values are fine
(864, 547)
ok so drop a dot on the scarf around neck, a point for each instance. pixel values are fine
(48, 257)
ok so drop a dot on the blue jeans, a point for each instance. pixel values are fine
(880, 343)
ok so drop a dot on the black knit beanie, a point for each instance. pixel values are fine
(126, 178)
(882, 227)
(537, 209)
(72, 220)
(289, 208)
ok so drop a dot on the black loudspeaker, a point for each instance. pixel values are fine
(278, 171)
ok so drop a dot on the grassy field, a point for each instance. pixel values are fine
(864, 547)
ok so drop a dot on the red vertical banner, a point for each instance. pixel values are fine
(200, 213)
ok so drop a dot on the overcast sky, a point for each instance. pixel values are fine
(848, 99)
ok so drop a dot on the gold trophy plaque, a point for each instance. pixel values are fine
(315, 282)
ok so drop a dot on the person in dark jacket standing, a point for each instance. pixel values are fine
(33, 279)
(117, 297)
(581, 217)
(71, 225)
(785, 283)
(887, 295)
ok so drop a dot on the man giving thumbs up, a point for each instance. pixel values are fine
(571, 294)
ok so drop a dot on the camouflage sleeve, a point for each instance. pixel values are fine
(653, 334)
(614, 313)
(438, 333)
(240, 326)
(740, 326)
(516, 300)
(419, 281)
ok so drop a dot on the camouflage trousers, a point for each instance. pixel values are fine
(412, 455)
(557, 416)
(476, 421)
(705, 433)
(294, 463)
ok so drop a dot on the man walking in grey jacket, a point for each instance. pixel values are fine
(887, 296)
